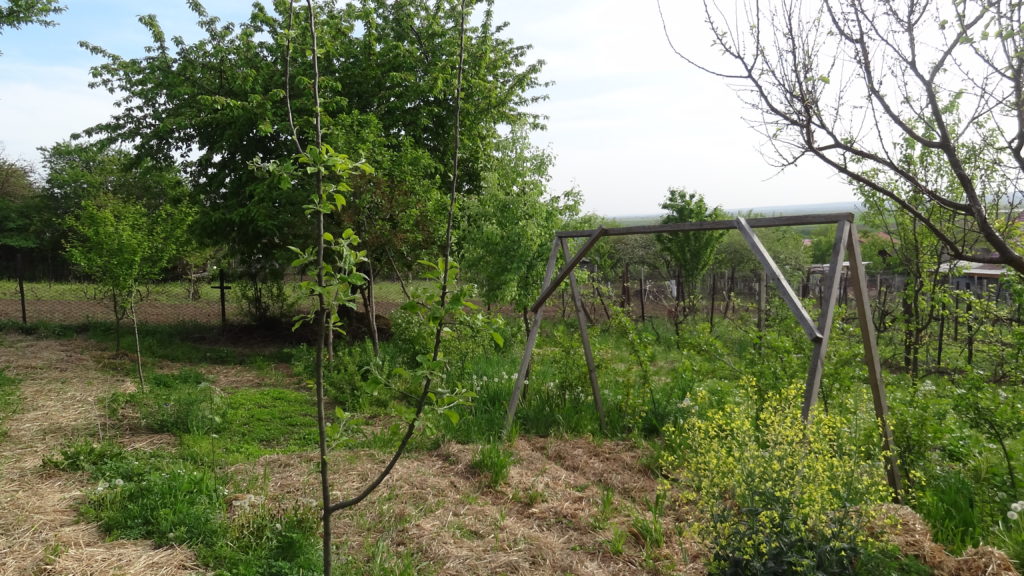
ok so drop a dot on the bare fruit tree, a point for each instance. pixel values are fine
(890, 94)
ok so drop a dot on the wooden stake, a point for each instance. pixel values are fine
(585, 336)
(825, 317)
(531, 341)
(874, 365)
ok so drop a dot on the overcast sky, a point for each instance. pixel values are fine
(627, 119)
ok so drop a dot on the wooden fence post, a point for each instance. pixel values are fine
(21, 288)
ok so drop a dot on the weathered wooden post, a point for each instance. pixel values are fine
(21, 288)
(874, 364)
(588, 353)
(223, 299)
(762, 286)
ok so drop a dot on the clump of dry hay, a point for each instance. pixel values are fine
(39, 530)
(909, 532)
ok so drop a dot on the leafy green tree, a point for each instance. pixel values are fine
(913, 249)
(385, 92)
(19, 13)
(508, 229)
(402, 70)
(21, 204)
(691, 253)
(120, 244)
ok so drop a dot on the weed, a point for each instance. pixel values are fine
(532, 497)
(494, 460)
(616, 544)
(180, 403)
(1009, 534)
(647, 529)
(738, 466)
(160, 496)
(948, 504)
(9, 399)
(605, 509)
(378, 559)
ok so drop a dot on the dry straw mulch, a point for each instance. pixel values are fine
(908, 531)
(545, 520)
(61, 385)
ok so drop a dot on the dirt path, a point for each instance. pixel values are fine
(39, 532)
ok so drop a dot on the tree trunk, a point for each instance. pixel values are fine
(371, 309)
(117, 324)
(138, 345)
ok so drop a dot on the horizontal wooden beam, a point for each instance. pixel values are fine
(769, 222)
(548, 290)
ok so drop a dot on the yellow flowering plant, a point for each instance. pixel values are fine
(774, 495)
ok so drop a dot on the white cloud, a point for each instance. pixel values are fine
(43, 105)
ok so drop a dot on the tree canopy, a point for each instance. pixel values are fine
(19, 13)
(386, 96)
(854, 83)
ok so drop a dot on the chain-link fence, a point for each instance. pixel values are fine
(34, 288)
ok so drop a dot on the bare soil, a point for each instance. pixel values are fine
(547, 519)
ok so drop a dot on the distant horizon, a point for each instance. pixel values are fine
(812, 208)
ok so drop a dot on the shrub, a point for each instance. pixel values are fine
(776, 496)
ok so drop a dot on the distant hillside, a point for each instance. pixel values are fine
(643, 219)
(802, 209)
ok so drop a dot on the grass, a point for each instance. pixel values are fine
(386, 291)
(188, 343)
(81, 291)
(160, 496)
(232, 426)
(10, 399)
(493, 461)
(221, 428)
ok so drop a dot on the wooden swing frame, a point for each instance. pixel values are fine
(818, 333)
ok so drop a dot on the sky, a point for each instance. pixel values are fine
(627, 118)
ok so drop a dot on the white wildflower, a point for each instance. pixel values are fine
(1011, 515)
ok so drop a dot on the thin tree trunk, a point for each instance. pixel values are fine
(138, 345)
(117, 324)
(371, 309)
(398, 274)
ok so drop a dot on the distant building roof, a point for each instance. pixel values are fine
(974, 269)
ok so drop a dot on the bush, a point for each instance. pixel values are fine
(775, 496)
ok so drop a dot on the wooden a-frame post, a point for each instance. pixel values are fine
(817, 332)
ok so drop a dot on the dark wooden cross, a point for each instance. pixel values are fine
(223, 299)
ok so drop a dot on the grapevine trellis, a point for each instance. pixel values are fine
(818, 333)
